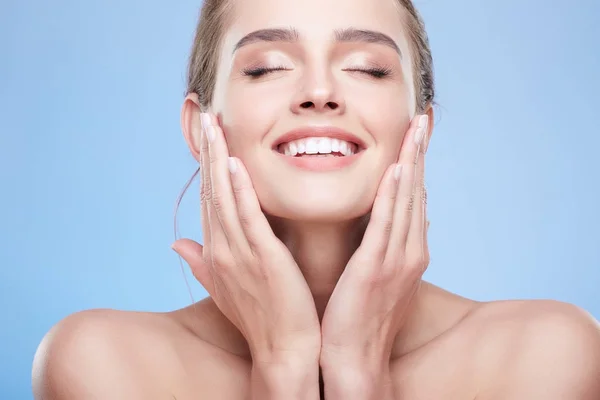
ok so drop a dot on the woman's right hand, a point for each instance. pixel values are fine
(250, 274)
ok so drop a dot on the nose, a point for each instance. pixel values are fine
(318, 95)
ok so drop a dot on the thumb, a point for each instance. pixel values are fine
(192, 252)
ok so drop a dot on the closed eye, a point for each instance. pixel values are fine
(375, 72)
(257, 72)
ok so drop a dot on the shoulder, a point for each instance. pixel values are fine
(100, 353)
(108, 354)
(536, 349)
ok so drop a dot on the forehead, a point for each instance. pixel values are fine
(316, 19)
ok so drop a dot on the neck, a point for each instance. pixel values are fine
(321, 250)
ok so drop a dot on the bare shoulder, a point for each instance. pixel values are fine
(536, 349)
(108, 354)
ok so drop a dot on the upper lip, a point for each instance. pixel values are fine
(319, 131)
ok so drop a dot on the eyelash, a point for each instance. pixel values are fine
(257, 72)
(375, 72)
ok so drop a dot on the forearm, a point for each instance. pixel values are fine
(285, 382)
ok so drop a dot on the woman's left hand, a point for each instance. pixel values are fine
(370, 301)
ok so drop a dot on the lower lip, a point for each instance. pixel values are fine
(320, 164)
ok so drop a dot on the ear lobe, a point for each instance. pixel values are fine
(191, 125)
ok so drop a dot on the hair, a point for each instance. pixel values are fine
(213, 20)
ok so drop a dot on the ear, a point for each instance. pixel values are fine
(191, 125)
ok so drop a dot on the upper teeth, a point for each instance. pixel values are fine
(317, 145)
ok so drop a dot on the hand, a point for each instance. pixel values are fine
(250, 274)
(370, 301)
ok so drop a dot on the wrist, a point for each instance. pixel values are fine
(357, 381)
(292, 379)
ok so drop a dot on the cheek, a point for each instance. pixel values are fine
(246, 116)
(387, 119)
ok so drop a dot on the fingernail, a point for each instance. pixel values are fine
(421, 128)
(205, 119)
(232, 164)
(210, 133)
(398, 171)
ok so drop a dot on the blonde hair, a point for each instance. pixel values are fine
(204, 57)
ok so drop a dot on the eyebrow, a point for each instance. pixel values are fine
(291, 35)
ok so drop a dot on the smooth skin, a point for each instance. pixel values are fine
(458, 349)
(299, 279)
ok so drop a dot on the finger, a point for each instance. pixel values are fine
(254, 224)
(223, 201)
(377, 234)
(214, 236)
(426, 241)
(405, 199)
(192, 253)
(415, 245)
(204, 189)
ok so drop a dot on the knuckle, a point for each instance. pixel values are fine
(426, 261)
(370, 272)
(221, 262)
(410, 202)
(365, 257)
(239, 254)
(369, 278)
(387, 193)
(382, 277)
(374, 253)
(204, 145)
(261, 265)
(383, 222)
(205, 195)
(240, 191)
(389, 271)
(217, 201)
(261, 273)
(212, 157)
(415, 265)
(244, 217)
(207, 258)
(206, 189)
(412, 263)
(386, 226)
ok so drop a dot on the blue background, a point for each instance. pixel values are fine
(92, 158)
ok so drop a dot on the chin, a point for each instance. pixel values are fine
(320, 194)
(317, 205)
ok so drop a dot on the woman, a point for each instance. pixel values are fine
(311, 122)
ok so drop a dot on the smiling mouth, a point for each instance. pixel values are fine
(318, 147)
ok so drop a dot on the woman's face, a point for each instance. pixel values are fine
(319, 68)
